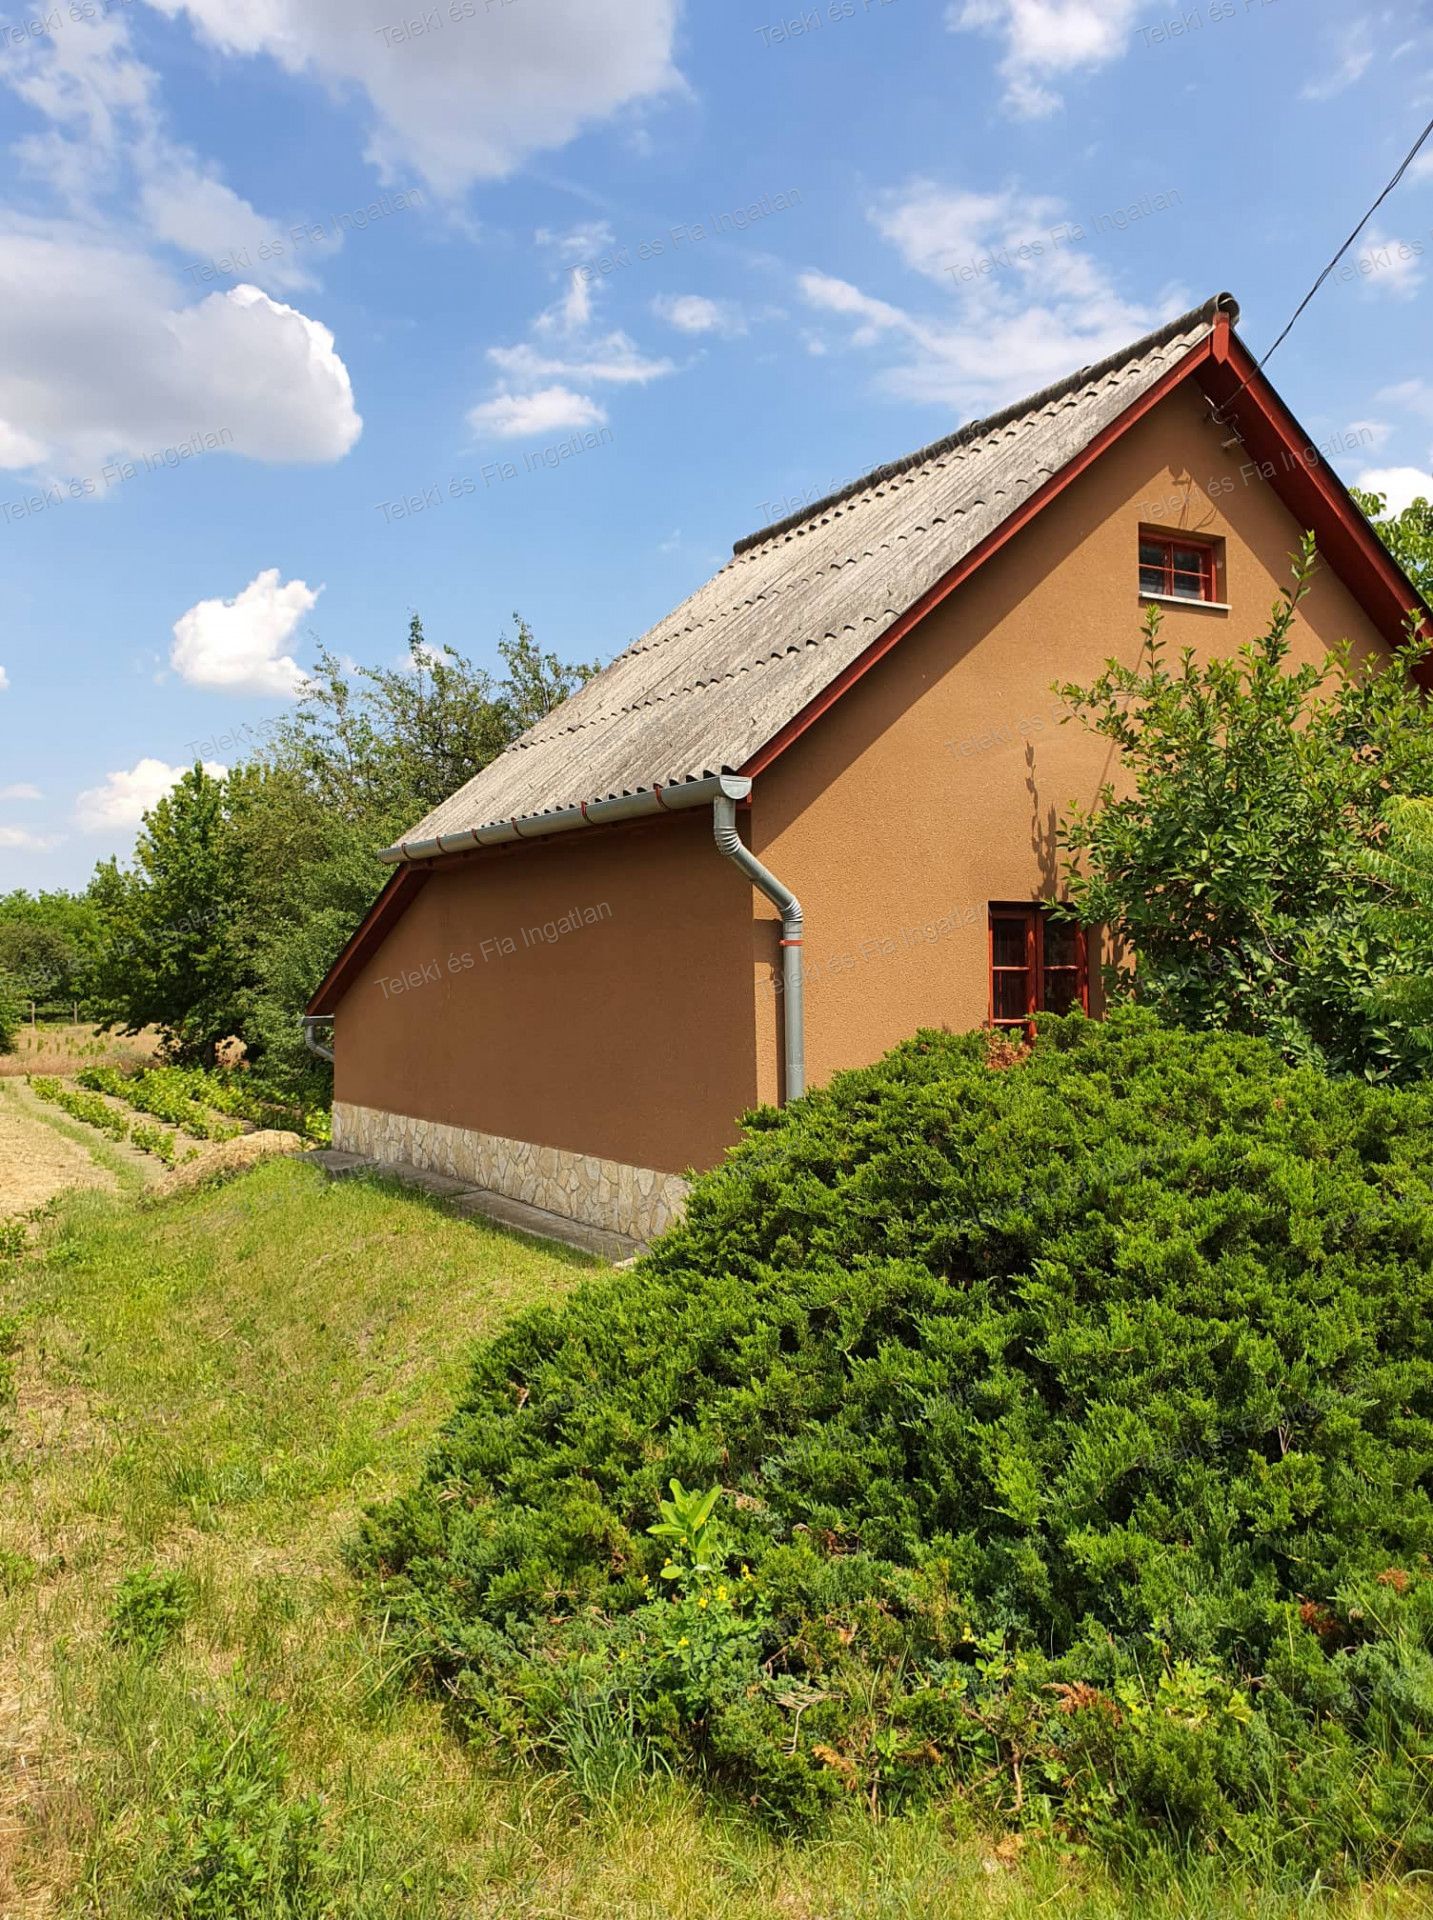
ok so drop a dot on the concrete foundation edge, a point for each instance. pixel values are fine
(638, 1201)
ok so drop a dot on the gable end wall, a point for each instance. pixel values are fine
(934, 786)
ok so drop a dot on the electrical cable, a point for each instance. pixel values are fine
(1407, 162)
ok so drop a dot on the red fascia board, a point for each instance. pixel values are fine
(1287, 459)
(1312, 493)
(991, 544)
(398, 894)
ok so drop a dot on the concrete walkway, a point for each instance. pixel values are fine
(482, 1203)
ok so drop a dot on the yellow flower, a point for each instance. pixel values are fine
(721, 1593)
(701, 1604)
(684, 1642)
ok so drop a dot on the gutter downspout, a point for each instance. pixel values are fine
(312, 1020)
(793, 1021)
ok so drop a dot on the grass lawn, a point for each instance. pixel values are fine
(213, 1387)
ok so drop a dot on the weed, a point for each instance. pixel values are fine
(236, 1842)
(149, 1611)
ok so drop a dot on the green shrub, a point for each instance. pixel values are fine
(105, 1080)
(1074, 1427)
(150, 1608)
(155, 1140)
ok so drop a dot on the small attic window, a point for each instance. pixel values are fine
(1178, 566)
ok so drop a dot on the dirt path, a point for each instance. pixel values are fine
(36, 1161)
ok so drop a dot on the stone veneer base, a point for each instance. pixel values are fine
(637, 1201)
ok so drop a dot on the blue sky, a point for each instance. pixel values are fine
(318, 312)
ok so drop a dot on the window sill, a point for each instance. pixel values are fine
(1178, 600)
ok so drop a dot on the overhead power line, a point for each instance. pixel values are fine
(1405, 164)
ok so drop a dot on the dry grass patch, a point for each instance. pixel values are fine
(37, 1161)
(64, 1048)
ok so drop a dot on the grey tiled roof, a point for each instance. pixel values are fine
(712, 683)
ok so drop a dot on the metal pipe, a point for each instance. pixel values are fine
(591, 813)
(793, 1018)
(312, 1020)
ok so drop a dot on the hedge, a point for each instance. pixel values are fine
(1072, 1417)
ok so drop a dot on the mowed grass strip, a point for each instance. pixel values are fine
(194, 1718)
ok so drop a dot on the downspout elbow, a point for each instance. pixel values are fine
(310, 1021)
(731, 845)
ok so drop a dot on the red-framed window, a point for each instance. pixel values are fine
(1038, 964)
(1179, 566)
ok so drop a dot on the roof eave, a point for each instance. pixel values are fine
(674, 797)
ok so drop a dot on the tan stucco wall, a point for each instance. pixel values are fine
(934, 786)
(930, 790)
(629, 1038)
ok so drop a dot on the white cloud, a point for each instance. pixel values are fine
(123, 799)
(549, 410)
(97, 98)
(614, 358)
(479, 86)
(98, 358)
(537, 391)
(22, 792)
(1409, 396)
(572, 312)
(576, 245)
(1370, 433)
(1386, 264)
(1053, 310)
(191, 210)
(826, 291)
(960, 238)
(106, 133)
(103, 352)
(1044, 39)
(237, 646)
(4, 680)
(694, 313)
(1400, 486)
(20, 840)
(1352, 55)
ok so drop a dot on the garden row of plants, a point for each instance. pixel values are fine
(95, 1112)
(163, 1092)
(189, 1097)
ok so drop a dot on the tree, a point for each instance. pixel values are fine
(1403, 865)
(1232, 867)
(386, 744)
(175, 954)
(38, 961)
(10, 1015)
(244, 890)
(1407, 535)
(48, 943)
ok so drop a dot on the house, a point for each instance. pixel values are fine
(815, 807)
